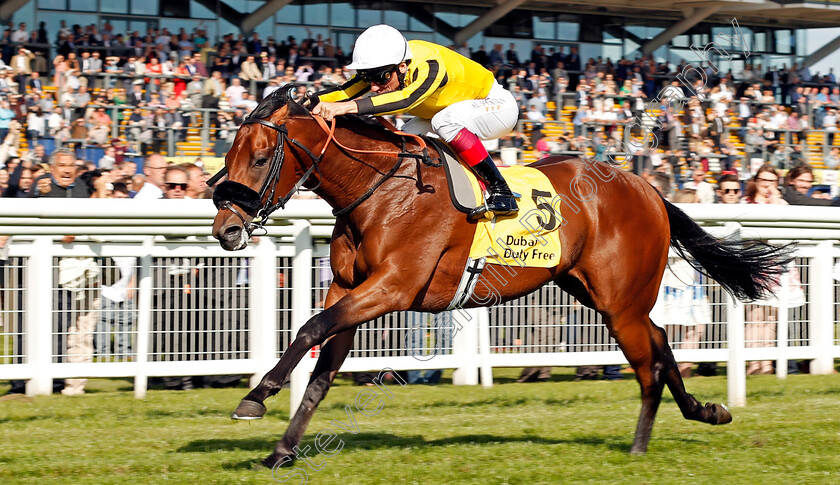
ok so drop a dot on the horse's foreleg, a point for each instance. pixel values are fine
(329, 362)
(377, 296)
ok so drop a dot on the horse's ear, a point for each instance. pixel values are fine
(310, 100)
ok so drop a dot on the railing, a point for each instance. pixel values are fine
(198, 310)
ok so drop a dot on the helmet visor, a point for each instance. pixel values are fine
(379, 75)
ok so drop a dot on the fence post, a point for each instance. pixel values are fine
(39, 324)
(465, 347)
(736, 372)
(782, 330)
(301, 304)
(115, 124)
(170, 142)
(483, 325)
(820, 308)
(262, 329)
(205, 130)
(144, 318)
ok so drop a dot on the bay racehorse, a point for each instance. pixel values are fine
(399, 244)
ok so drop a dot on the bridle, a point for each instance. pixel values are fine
(229, 193)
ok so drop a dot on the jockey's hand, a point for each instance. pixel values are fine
(328, 111)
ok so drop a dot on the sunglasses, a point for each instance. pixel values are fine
(173, 186)
(380, 76)
(731, 191)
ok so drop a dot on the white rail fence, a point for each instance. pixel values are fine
(196, 310)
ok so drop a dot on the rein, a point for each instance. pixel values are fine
(229, 193)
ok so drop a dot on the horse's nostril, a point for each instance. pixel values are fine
(232, 232)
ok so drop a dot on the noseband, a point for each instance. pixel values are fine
(229, 193)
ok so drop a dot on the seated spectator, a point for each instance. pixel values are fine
(99, 134)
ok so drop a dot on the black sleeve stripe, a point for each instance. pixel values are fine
(434, 67)
(344, 87)
(365, 106)
(444, 80)
(361, 93)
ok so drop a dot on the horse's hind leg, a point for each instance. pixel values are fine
(635, 336)
(689, 406)
(646, 347)
(329, 362)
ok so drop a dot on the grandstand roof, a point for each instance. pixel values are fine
(780, 14)
(794, 14)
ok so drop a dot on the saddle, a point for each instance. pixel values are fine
(461, 190)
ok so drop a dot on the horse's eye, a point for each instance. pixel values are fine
(261, 162)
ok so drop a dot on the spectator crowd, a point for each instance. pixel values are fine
(131, 94)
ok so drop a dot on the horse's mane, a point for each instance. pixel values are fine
(282, 97)
(276, 100)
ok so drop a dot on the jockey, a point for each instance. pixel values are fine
(447, 93)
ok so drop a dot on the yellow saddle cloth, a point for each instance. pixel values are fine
(529, 238)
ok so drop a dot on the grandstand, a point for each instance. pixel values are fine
(307, 42)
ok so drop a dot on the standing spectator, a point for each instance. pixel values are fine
(108, 160)
(234, 91)
(76, 307)
(729, 189)
(154, 169)
(20, 180)
(118, 309)
(22, 68)
(213, 89)
(833, 159)
(197, 188)
(36, 125)
(250, 70)
(682, 305)
(194, 91)
(704, 190)
(6, 117)
(35, 84)
(20, 35)
(799, 181)
(154, 69)
(760, 328)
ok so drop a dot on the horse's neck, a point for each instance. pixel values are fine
(347, 169)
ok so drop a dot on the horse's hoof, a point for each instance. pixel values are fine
(720, 413)
(248, 410)
(274, 461)
(638, 451)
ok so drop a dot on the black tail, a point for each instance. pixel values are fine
(748, 270)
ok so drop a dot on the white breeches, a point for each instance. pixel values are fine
(489, 118)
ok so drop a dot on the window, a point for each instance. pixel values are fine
(144, 7)
(342, 15)
(115, 6)
(316, 13)
(53, 4)
(396, 19)
(175, 8)
(83, 5)
(369, 16)
(199, 11)
(545, 26)
(290, 14)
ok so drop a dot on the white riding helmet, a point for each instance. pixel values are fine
(379, 46)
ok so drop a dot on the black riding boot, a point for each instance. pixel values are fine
(501, 201)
